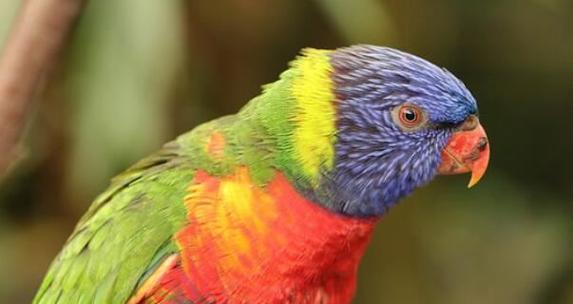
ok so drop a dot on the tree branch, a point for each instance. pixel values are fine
(37, 36)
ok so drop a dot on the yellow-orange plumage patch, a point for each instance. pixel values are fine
(234, 223)
(216, 145)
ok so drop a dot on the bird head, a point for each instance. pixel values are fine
(400, 121)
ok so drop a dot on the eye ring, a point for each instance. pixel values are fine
(410, 116)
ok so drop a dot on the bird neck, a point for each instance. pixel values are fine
(295, 116)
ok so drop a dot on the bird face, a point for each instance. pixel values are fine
(401, 120)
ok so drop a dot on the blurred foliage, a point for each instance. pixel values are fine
(139, 72)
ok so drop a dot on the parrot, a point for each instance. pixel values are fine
(278, 202)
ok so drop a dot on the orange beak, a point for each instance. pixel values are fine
(467, 151)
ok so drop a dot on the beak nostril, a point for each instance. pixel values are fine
(470, 124)
(482, 144)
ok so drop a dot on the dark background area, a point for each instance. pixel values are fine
(139, 72)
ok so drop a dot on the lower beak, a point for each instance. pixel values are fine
(467, 151)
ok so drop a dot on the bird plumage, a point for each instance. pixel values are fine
(275, 204)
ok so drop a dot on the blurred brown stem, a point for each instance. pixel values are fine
(37, 36)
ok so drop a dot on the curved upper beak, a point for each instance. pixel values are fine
(467, 151)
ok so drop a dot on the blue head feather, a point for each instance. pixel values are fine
(376, 161)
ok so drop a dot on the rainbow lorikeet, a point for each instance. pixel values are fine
(277, 203)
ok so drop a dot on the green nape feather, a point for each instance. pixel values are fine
(128, 230)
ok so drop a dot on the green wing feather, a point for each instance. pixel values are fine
(125, 234)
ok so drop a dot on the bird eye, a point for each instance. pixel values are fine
(410, 116)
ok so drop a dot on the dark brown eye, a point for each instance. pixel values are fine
(410, 116)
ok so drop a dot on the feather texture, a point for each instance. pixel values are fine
(275, 204)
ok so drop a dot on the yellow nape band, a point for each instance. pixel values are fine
(314, 134)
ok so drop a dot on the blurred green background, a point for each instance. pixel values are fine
(139, 72)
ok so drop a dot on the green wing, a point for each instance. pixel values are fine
(124, 236)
